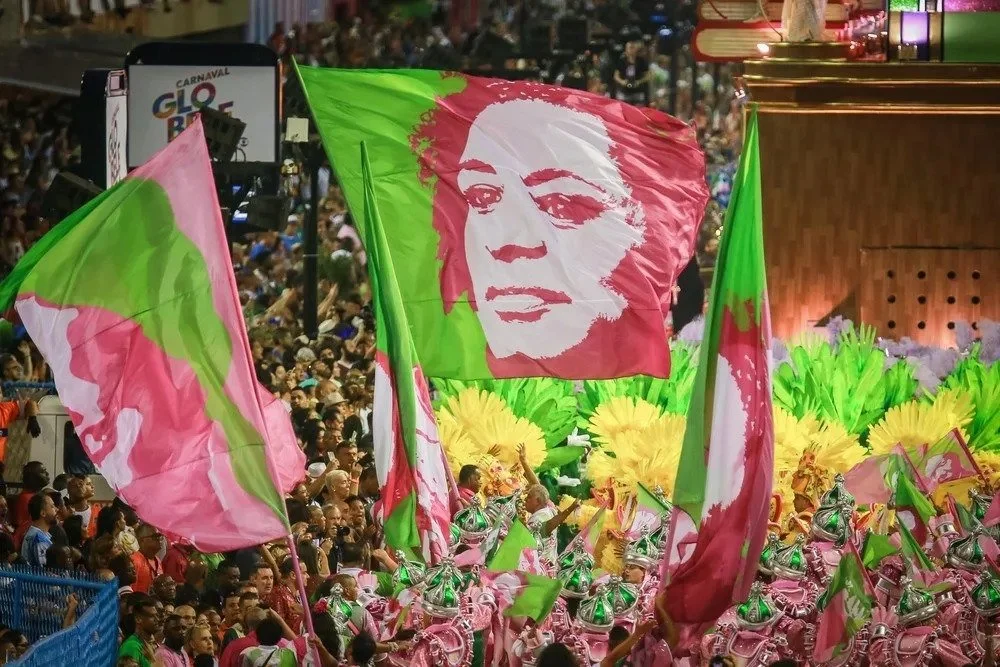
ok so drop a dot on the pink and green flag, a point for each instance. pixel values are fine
(845, 607)
(648, 512)
(945, 461)
(913, 549)
(516, 573)
(876, 547)
(913, 509)
(132, 300)
(535, 230)
(872, 480)
(589, 535)
(416, 492)
(723, 489)
(517, 551)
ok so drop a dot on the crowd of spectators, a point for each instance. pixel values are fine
(214, 608)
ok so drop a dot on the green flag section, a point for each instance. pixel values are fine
(417, 492)
(511, 552)
(513, 569)
(535, 231)
(876, 548)
(913, 550)
(845, 607)
(133, 303)
(913, 509)
(966, 519)
(722, 491)
(536, 599)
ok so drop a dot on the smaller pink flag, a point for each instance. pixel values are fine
(992, 517)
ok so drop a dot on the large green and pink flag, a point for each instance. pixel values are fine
(723, 489)
(845, 607)
(132, 300)
(535, 230)
(417, 492)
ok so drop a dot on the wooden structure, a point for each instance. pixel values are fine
(881, 185)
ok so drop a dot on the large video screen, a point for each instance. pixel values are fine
(164, 99)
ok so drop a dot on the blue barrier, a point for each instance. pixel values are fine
(33, 601)
(10, 388)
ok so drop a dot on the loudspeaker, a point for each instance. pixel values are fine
(573, 34)
(67, 193)
(222, 133)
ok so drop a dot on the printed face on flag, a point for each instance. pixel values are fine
(542, 203)
(536, 210)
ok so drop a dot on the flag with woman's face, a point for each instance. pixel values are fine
(535, 230)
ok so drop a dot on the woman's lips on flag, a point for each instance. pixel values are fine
(524, 304)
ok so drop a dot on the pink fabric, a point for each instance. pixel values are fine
(109, 386)
(992, 517)
(422, 471)
(289, 460)
(657, 159)
(724, 562)
(138, 412)
(866, 481)
(832, 629)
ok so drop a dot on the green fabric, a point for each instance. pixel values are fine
(133, 648)
(537, 598)
(739, 281)
(478, 649)
(965, 518)
(385, 587)
(382, 108)
(907, 496)
(508, 554)
(875, 549)
(646, 500)
(912, 550)
(269, 656)
(392, 338)
(127, 238)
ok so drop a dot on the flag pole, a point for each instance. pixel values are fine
(303, 597)
(965, 448)
(861, 566)
(581, 535)
(916, 473)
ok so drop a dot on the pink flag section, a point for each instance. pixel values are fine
(289, 460)
(867, 480)
(992, 516)
(831, 630)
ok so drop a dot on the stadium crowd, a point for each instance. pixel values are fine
(181, 607)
